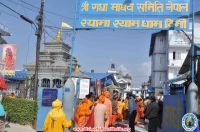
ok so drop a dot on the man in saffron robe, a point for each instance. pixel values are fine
(108, 104)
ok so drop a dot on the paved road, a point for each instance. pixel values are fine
(141, 128)
(18, 128)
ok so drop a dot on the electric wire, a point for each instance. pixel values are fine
(20, 15)
(8, 14)
(10, 8)
(17, 3)
(48, 34)
(49, 12)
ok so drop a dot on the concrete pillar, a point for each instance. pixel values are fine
(62, 83)
(40, 82)
(51, 82)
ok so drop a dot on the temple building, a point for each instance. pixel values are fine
(53, 63)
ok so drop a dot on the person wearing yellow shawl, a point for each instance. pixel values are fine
(56, 119)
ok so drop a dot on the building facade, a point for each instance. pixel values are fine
(168, 51)
(124, 81)
(53, 64)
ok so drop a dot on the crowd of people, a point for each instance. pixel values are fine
(109, 109)
(106, 111)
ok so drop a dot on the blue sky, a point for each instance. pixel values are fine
(95, 49)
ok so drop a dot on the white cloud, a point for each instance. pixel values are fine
(123, 70)
(146, 68)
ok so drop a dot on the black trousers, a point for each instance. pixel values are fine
(132, 120)
(160, 121)
(127, 115)
(153, 124)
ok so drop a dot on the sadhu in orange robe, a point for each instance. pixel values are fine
(82, 113)
(140, 109)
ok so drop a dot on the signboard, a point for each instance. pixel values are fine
(84, 87)
(173, 111)
(177, 89)
(133, 14)
(9, 58)
(134, 23)
(48, 96)
(135, 7)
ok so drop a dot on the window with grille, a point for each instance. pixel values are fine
(57, 83)
(45, 83)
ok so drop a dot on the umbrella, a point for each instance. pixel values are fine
(3, 84)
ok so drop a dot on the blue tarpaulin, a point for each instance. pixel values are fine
(106, 78)
(151, 89)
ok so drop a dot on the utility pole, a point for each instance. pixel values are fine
(39, 36)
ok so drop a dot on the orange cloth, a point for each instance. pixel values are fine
(89, 102)
(108, 104)
(82, 113)
(106, 94)
(114, 118)
(140, 109)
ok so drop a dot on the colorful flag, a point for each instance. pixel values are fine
(9, 58)
(65, 25)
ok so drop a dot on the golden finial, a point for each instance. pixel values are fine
(59, 36)
(77, 70)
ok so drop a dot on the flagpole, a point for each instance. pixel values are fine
(73, 40)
